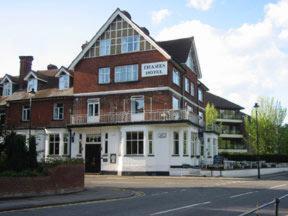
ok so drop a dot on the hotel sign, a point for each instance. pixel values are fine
(154, 69)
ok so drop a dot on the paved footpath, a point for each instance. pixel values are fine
(176, 196)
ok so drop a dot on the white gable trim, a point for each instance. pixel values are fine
(104, 27)
(62, 70)
(32, 73)
(197, 59)
(6, 77)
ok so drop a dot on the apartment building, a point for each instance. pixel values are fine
(231, 120)
(127, 104)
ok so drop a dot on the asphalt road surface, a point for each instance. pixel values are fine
(177, 196)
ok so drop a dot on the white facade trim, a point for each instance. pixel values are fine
(104, 27)
(6, 77)
(32, 73)
(126, 91)
(62, 70)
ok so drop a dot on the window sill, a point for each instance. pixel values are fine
(57, 119)
(151, 155)
(185, 155)
(104, 83)
(134, 155)
(175, 155)
(133, 81)
(25, 121)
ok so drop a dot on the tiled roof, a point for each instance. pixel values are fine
(45, 93)
(220, 102)
(179, 49)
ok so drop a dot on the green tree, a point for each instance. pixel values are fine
(270, 119)
(283, 139)
(211, 114)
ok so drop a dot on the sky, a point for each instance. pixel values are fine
(242, 44)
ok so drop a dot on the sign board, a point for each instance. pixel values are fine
(154, 69)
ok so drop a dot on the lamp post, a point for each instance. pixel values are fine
(256, 106)
(31, 94)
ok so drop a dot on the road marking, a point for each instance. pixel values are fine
(180, 208)
(243, 194)
(277, 186)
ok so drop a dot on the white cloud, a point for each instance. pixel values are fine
(242, 63)
(200, 4)
(160, 15)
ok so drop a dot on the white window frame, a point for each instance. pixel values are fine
(193, 140)
(136, 141)
(104, 47)
(134, 99)
(187, 87)
(176, 146)
(130, 43)
(200, 95)
(32, 84)
(176, 77)
(54, 143)
(26, 113)
(66, 143)
(94, 114)
(7, 88)
(185, 143)
(192, 89)
(174, 99)
(126, 73)
(104, 75)
(64, 81)
(58, 111)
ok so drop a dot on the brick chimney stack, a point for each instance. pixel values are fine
(25, 68)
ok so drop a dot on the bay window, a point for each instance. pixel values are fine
(200, 95)
(175, 143)
(134, 142)
(175, 103)
(192, 89)
(187, 84)
(126, 73)
(176, 77)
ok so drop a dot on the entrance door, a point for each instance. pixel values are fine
(93, 158)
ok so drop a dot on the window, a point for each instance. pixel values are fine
(105, 47)
(32, 84)
(93, 108)
(201, 115)
(7, 89)
(58, 111)
(187, 85)
(64, 81)
(54, 141)
(104, 75)
(175, 143)
(192, 89)
(185, 146)
(106, 144)
(134, 143)
(200, 95)
(176, 77)
(65, 144)
(126, 73)
(150, 142)
(130, 43)
(137, 104)
(93, 138)
(193, 140)
(26, 113)
(80, 147)
(175, 103)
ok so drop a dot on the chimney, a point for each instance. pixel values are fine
(25, 68)
(51, 67)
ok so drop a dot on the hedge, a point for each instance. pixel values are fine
(269, 158)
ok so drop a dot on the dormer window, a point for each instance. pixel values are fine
(7, 89)
(32, 84)
(64, 81)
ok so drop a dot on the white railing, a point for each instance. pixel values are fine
(147, 116)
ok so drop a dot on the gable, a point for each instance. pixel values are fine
(5, 79)
(127, 26)
(115, 31)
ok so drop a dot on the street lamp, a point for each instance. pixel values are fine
(256, 106)
(31, 94)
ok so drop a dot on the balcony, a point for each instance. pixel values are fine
(230, 116)
(231, 134)
(147, 116)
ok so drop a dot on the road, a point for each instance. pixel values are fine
(177, 196)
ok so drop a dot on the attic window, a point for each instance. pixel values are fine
(7, 89)
(32, 84)
(130, 43)
(64, 81)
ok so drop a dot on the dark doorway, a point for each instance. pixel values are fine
(93, 158)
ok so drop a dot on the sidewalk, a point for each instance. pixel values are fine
(88, 195)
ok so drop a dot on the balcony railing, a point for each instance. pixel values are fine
(213, 128)
(147, 116)
(231, 132)
(230, 116)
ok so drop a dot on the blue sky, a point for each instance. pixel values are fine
(242, 44)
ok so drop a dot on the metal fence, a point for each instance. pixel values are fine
(275, 202)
